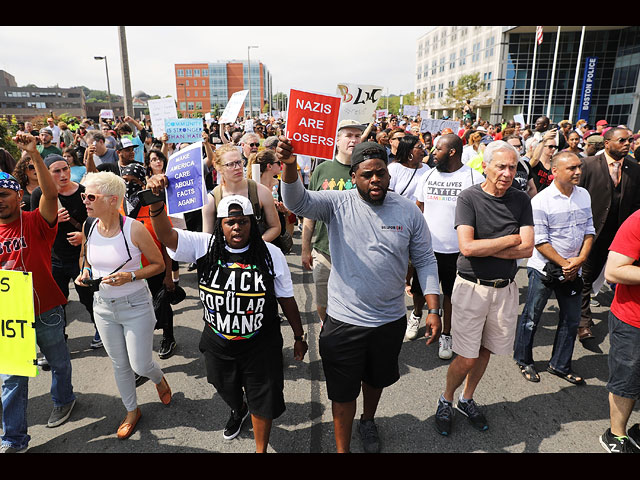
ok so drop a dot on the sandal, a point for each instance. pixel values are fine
(529, 373)
(569, 377)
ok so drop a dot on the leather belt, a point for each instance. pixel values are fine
(487, 283)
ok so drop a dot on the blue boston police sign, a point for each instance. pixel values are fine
(587, 87)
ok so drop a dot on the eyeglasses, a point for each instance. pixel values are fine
(231, 165)
(58, 170)
(92, 196)
(625, 140)
(552, 147)
(278, 162)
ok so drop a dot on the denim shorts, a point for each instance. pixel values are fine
(624, 359)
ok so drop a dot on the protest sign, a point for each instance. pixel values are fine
(183, 130)
(106, 113)
(380, 114)
(435, 125)
(17, 324)
(233, 107)
(312, 123)
(160, 110)
(186, 191)
(358, 101)
(248, 125)
(519, 118)
(410, 110)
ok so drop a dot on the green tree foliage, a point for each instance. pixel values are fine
(467, 87)
(8, 129)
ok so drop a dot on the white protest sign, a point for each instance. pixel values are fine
(161, 109)
(519, 118)
(380, 114)
(248, 125)
(358, 101)
(106, 113)
(410, 110)
(233, 107)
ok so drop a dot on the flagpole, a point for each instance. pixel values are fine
(533, 71)
(553, 73)
(575, 80)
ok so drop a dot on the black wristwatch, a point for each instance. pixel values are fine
(436, 311)
(302, 338)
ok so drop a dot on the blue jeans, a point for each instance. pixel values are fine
(15, 389)
(570, 306)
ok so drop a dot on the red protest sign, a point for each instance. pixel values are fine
(312, 123)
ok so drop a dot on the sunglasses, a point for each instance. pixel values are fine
(253, 144)
(552, 147)
(31, 167)
(92, 197)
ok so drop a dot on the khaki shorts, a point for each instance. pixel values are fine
(321, 271)
(483, 316)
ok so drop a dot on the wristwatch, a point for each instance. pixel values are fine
(133, 276)
(436, 311)
(302, 338)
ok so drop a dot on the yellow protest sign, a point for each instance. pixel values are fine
(17, 319)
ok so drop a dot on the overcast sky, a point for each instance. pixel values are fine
(312, 58)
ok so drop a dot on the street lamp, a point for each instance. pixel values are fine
(249, 68)
(108, 86)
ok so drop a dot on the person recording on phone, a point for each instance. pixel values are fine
(30, 236)
(112, 249)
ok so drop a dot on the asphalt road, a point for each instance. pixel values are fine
(552, 416)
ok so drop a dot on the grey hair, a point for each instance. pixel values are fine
(498, 146)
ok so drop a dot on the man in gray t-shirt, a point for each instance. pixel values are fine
(372, 234)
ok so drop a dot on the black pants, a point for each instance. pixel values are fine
(591, 270)
(166, 315)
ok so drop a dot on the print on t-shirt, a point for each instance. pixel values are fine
(234, 301)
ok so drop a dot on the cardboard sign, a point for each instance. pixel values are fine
(358, 101)
(17, 324)
(233, 107)
(434, 125)
(183, 130)
(380, 114)
(161, 109)
(312, 123)
(185, 171)
(106, 113)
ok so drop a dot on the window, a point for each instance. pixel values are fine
(442, 64)
(476, 52)
(188, 93)
(463, 56)
(190, 106)
(183, 106)
(181, 73)
(198, 105)
(205, 72)
(204, 93)
(189, 72)
(204, 83)
(489, 42)
(452, 61)
(196, 72)
(186, 82)
(195, 83)
(195, 93)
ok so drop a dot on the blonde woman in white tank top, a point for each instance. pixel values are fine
(122, 304)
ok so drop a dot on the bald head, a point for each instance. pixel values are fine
(452, 142)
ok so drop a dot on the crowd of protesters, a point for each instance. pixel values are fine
(442, 220)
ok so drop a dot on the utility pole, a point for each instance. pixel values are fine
(126, 83)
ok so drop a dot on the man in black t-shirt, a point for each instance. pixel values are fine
(494, 223)
(66, 249)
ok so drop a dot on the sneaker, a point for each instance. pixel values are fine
(412, 327)
(96, 342)
(167, 346)
(59, 415)
(444, 416)
(232, 429)
(445, 352)
(593, 302)
(613, 444)
(369, 436)
(6, 448)
(634, 435)
(139, 379)
(470, 409)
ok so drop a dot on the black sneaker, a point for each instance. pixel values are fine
(444, 416)
(167, 346)
(232, 429)
(470, 409)
(613, 444)
(369, 436)
(634, 436)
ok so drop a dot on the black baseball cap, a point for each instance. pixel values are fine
(366, 151)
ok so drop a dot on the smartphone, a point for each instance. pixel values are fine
(147, 197)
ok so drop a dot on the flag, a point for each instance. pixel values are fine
(539, 35)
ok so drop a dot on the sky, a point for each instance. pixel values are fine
(311, 58)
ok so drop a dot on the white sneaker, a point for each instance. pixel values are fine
(412, 327)
(445, 352)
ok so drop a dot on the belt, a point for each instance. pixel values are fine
(487, 283)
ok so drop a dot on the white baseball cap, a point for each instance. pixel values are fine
(222, 210)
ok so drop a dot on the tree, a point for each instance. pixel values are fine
(467, 88)
(8, 129)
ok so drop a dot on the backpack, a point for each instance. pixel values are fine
(253, 198)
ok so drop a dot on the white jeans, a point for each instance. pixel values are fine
(126, 327)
